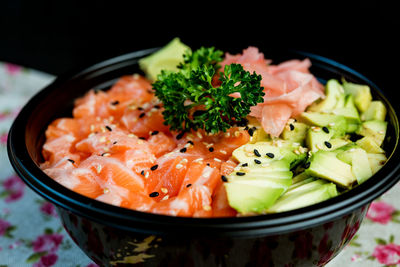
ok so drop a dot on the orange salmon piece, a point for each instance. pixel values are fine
(142, 122)
(220, 205)
(201, 174)
(113, 172)
(190, 201)
(160, 143)
(167, 178)
(80, 180)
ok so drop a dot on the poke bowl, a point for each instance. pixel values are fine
(116, 236)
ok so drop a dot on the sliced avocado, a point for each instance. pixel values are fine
(248, 198)
(295, 132)
(255, 188)
(325, 164)
(256, 131)
(376, 161)
(352, 127)
(336, 122)
(300, 177)
(376, 129)
(369, 144)
(300, 183)
(334, 98)
(361, 93)
(375, 111)
(265, 152)
(349, 110)
(317, 138)
(304, 195)
(338, 143)
(167, 58)
(360, 165)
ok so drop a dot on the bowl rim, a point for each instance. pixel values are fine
(131, 220)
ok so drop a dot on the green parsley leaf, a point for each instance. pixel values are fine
(191, 101)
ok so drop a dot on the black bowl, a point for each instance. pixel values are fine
(116, 236)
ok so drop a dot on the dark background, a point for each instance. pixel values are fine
(57, 36)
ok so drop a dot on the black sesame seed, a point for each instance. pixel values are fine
(208, 164)
(246, 128)
(153, 168)
(180, 135)
(270, 155)
(211, 149)
(154, 194)
(307, 165)
(245, 164)
(327, 144)
(141, 115)
(71, 160)
(140, 108)
(183, 150)
(157, 106)
(190, 142)
(251, 131)
(240, 173)
(115, 142)
(291, 126)
(108, 128)
(142, 172)
(116, 102)
(154, 133)
(223, 178)
(143, 138)
(326, 130)
(188, 185)
(257, 153)
(257, 161)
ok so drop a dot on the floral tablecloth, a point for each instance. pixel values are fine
(31, 233)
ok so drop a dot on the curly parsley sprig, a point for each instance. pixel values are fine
(191, 101)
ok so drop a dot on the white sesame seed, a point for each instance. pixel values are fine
(184, 161)
(331, 124)
(106, 154)
(106, 190)
(165, 197)
(136, 76)
(216, 159)
(198, 159)
(146, 175)
(381, 132)
(207, 207)
(178, 166)
(112, 107)
(199, 135)
(188, 145)
(164, 190)
(236, 133)
(98, 168)
(223, 152)
(92, 128)
(297, 152)
(92, 134)
(227, 134)
(318, 146)
(140, 141)
(102, 139)
(131, 135)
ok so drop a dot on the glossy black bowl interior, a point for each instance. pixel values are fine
(27, 136)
